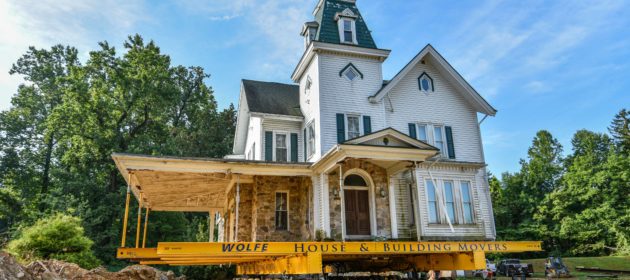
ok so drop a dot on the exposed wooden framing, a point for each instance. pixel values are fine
(146, 224)
(125, 220)
(139, 222)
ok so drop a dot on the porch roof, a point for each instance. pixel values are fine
(193, 184)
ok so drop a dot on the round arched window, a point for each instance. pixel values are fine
(355, 181)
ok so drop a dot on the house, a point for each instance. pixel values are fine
(407, 152)
(390, 173)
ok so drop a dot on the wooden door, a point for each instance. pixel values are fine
(357, 206)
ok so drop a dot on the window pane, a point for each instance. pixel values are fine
(281, 211)
(347, 25)
(281, 201)
(437, 135)
(465, 192)
(311, 139)
(433, 217)
(468, 213)
(350, 74)
(281, 147)
(354, 129)
(422, 132)
(448, 198)
(347, 36)
(425, 84)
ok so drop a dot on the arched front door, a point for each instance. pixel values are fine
(357, 206)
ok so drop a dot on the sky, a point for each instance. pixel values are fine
(559, 65)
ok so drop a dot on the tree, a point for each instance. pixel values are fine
(58, 237)
(620, 130)
(25, 124)
(134, 102)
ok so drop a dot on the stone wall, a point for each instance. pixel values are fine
(264, 208)
(245, 211)
(379, 177)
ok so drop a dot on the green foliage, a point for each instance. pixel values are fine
(58, 237)
(57, 138)
(579, 205)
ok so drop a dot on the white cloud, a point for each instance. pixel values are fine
(525, 39)
(42, 23)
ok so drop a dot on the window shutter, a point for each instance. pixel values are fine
(268, 146)
(367, 125)
(294, 147)
(305, 152)
(341, 129)
(449, 142)
(412, 130)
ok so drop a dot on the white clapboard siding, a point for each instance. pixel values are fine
(443, 106)
(284, 126)
(404, 210)
(339, 95)
(309, 102)
(442, 231)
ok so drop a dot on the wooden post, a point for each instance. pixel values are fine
(139, 222)
(211, 224)
(146, 223)
(124, 231)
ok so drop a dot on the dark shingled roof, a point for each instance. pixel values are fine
(272, 98)
(329, 32)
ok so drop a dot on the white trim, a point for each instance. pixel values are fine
(288, 142)
(392, 206)
(277, 117)
(372, 200)
(479, 103)
(361, 128)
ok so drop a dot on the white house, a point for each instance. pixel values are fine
(394, 159)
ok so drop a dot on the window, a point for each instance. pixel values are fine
(281, 151)
(438, 137)
(354, 126)
(467, 202)
(433, 206)
(350, 74)
(449, 200)
(307, 86)
(422, 133)
(311, 139)
(282, 211)
(425, 83)
(347, 31)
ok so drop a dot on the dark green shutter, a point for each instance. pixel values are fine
(294, 147)
(449, 142)
(305, 153)
(412, 130)
(341, 129)
(268, 146)
(367, 125)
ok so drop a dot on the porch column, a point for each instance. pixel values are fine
(392, 206)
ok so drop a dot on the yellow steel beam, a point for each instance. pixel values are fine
(307, 263)
(124, 230)
(342, 248)
(137, 253)
(456, 261)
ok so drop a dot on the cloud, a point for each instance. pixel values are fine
(43, 23)
(526, 39)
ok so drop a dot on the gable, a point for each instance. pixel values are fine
(272, 98)
(390, 137)
(449, 74)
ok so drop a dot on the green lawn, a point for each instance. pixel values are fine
(621, 263)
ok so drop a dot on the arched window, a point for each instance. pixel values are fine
(425, 83)
(354, 181)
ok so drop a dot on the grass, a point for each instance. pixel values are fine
(617, 263)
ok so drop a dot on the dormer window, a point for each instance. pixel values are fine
(348, 33)
(347, 27)
(425, 83)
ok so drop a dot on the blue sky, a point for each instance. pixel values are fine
(555, 65)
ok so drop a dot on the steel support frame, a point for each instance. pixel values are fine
(301, 264)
